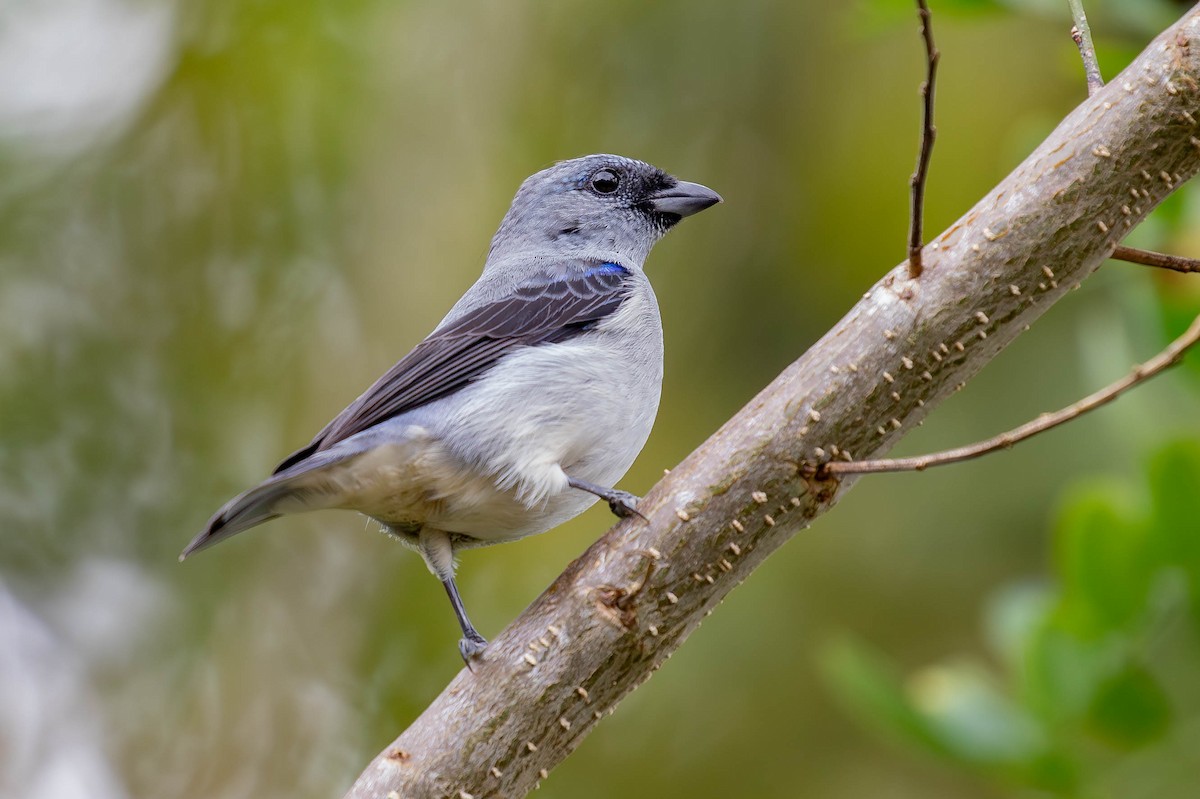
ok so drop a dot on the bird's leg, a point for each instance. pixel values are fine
(472, 643)
(622, 503)
(437, 549)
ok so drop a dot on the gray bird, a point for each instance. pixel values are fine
(529, 400)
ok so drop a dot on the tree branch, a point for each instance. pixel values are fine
(928, 135)
(616, 613)
(1160, 260)
(1047, 421)
(1082, 34)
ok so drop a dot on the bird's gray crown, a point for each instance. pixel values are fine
(605, 205)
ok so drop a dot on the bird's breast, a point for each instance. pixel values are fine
(491, 461)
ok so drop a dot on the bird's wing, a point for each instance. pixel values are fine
(551, 310)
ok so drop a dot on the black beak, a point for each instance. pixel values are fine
(683, 199)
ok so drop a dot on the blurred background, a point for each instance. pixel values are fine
(220, 220)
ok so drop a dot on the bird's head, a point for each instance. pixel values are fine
(598, 205)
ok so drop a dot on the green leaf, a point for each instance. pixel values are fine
(1103, 560)
(955, 711)
(972, 719)
(868, 685)
(1175, 518)
(1130, 709)
(1062, 673)
(1013, 617)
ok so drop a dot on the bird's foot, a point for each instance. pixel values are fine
(471, 647)
(623, 504)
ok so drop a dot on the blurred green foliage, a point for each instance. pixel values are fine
(271, 200)
(1089, 667)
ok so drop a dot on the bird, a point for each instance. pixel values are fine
(527, 403)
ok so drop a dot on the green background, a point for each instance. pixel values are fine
(230, 216)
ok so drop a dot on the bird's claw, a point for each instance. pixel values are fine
(471, 647)
(623, 505)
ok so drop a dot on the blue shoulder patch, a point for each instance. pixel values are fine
(606, 269)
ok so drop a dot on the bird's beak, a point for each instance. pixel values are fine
(684, 199)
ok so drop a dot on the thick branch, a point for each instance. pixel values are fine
(626, 604)
(1082, 34)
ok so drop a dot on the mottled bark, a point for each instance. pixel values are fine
(624, 606)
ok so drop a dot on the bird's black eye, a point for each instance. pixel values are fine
(605, 181)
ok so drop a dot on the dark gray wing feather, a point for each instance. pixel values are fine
(543, 313)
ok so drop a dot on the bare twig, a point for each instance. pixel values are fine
(928, 134)
(1164, 360)
(1082, 34)
(1159, 259)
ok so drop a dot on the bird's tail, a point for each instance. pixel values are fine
(259, 504)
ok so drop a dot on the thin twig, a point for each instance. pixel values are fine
(1082, 34)
(928, 134)
(1165, 359)
(1159, 259)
